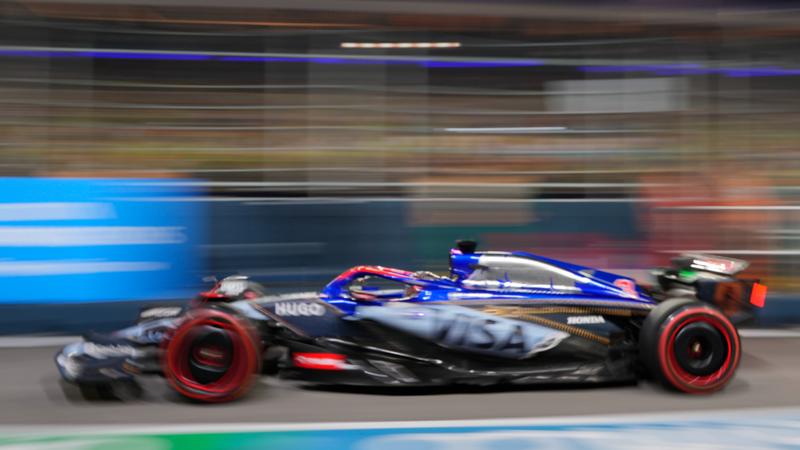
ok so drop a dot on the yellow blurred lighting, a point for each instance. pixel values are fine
(400, 44)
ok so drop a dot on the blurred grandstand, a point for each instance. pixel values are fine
(615, 135)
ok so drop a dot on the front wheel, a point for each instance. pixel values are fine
(690, 346)
(213, 356)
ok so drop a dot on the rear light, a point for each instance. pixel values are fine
(758, 295)
(319, 361)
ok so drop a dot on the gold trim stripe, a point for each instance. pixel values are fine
(521, 310)
(531, 315)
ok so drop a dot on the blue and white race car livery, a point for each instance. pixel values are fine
(496, 317)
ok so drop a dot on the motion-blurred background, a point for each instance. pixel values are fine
(146, 143)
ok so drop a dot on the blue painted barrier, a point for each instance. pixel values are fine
(89, 240)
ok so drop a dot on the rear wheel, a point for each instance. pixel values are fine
(212, 356)
(690, 346)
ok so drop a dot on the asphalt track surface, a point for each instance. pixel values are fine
(30, 393)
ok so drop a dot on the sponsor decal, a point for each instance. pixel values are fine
(463, 330)
(160, 312)
(585, 320)
(299, 309)
(102, 351)
(232, 287)
(714, 265)
(466, 329)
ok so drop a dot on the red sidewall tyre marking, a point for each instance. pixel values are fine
(679, 377)
(244, 361)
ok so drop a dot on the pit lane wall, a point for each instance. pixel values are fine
(82, 254)
(743, 429)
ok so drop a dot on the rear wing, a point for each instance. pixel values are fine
(713, 279)
(719, 265)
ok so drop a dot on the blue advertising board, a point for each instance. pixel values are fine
(71, 240)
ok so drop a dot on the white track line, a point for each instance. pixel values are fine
(681, 416)
(769, 333)
(36, 341)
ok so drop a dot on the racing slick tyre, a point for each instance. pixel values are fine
(689, 346)
(212, 356)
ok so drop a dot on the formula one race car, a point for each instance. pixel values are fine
(498, 317)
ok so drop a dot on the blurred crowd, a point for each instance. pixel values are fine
(615, 139)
